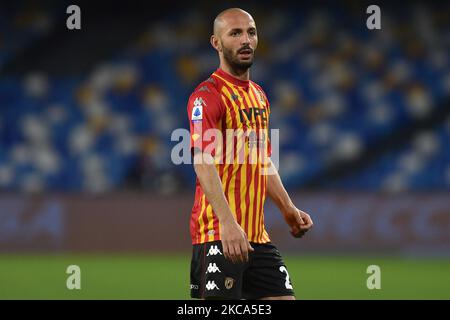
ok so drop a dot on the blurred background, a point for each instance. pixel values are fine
(86, 117)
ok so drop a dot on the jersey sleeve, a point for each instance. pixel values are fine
(205, 112)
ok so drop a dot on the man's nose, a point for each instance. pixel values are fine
(245, 39)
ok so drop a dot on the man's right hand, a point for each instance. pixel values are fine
(234, 241)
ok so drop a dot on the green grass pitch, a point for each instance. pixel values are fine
(167, 277)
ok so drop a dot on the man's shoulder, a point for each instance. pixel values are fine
(208, 87)
(257, 87)
(206, 94)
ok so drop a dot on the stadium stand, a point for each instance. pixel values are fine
(336, 91)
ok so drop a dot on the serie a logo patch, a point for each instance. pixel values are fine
(197, 110)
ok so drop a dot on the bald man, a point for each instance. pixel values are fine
(233, 257)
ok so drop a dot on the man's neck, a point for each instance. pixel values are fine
(238, 74)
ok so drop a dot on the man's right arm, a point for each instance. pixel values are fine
(234, 240)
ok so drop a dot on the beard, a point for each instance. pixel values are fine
(233, 60)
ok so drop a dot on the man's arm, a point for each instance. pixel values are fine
(234, 240)
(299, 221)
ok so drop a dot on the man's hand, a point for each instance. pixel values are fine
(234, 241)
(299, 221)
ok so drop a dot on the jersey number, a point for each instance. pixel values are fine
(287, 283)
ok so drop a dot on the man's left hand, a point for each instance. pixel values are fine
(299, 221)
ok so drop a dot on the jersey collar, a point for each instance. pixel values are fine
(228, 77)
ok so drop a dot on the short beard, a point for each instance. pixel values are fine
(239, 67)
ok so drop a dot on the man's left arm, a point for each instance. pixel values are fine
(299, 221)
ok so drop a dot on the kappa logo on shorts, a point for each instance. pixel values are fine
(229, 282)
(214, 250)
(212, 268)
(211, 285)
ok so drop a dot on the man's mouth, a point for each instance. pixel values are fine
(245, 53)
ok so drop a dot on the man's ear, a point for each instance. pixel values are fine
(215, 43)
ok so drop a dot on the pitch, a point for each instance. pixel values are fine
(166, 277)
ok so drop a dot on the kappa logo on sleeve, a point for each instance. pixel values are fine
(197, 111)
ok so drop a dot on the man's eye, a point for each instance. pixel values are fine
(235, 33)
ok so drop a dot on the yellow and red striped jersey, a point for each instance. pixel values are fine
(239, 111)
